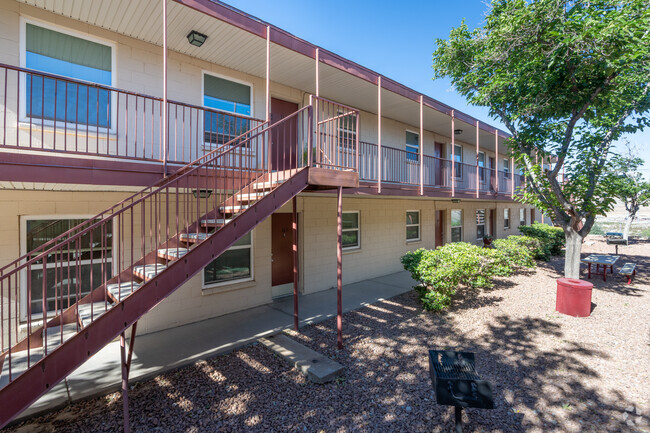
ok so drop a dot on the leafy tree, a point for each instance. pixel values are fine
(627, 184)
(567, 78)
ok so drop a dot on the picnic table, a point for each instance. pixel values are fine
(604, 260)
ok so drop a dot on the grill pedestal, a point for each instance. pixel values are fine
(457, 383)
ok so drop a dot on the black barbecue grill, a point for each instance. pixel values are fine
(457, 383)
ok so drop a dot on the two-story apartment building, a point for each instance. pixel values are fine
(260, 130)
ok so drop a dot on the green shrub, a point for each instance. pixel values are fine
(536, 247)
(443, 270)
(597, 230)
(551, 237)
(518, 250)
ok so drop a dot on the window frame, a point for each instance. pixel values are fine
(418, 225)
(23, 251)
(481, 169)
(407, 145)
(46, 123)
(358, 230)
(458, 171)
(522, 221)
(346, 137)
(208, 285)
(209, 145)
(506, 168)
(506, 220)
(476, 213)
(452, 226)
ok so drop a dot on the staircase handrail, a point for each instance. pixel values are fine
(143, 195)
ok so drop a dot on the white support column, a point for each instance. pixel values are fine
(421, 138)
(477, 167)
(164, 104)
(496, 151)
(317, 72)
(379, 135)
(268, 73)
(512, 173)
(453, 154)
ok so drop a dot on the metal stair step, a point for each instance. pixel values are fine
(233, 209)
(215, 222)
(147, 272)
(96, 308)
(54, 337)
(249, 196)
(19, 364)
(122, 290)
(193, 237)
(172, 253)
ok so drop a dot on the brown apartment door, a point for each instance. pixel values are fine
(493, 222)
(437, 152)
(283, 153)
(281, 251)
(440, 218)
(532, 216)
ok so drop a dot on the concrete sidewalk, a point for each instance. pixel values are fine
(160, 351)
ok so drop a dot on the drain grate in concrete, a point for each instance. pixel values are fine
(313, 365)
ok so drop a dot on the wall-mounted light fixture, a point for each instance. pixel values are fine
(458, 131)
(195, 38)
(455, 200)
(201, 193)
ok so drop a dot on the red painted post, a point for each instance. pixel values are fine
(421, 145)
(339, 269)
(379, 134)
(294, 226)
(496, 152)
(125, 384)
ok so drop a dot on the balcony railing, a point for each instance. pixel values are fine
(51, 113)
(46, 112)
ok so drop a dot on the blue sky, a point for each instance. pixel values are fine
(394, 38)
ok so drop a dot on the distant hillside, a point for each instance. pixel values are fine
(615, 221)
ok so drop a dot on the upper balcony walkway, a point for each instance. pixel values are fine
(64, 131)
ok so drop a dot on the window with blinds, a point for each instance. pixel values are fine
(49, 99)
(228, 96)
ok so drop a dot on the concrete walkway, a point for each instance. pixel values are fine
(160, 351)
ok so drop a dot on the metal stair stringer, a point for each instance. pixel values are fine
(25, 389)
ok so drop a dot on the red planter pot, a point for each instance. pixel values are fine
(573, 297)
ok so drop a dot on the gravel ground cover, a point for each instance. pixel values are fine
(552, 373)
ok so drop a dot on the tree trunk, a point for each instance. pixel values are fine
(628, 223)
(572, 256)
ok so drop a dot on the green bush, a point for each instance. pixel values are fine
(443, 270)
(551, 237)
(536, 247)
(597, 230)
(519, 250)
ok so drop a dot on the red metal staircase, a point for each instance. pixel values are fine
(162, 236)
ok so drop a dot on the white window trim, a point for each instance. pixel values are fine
(228, 78)
(358, 229)
(23, 251)
(522, 210)
(418, 225)
(452, 226)
(458, 162)
(206, 286)
(35, 122)
(417, 161)
(508, 219)
(484, 222)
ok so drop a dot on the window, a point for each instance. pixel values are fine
(522, 217)
(64, 272)
(480, 223)
(506, 168)
(63, 54)
(351, 233)
(412, 225)
(456, 225)
(347, 130)
(506, 218)
(458, 158)
(412, 146)
(481, 164)
(225, 95)
(234, 264)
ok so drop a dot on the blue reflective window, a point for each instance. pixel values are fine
(51, 99)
